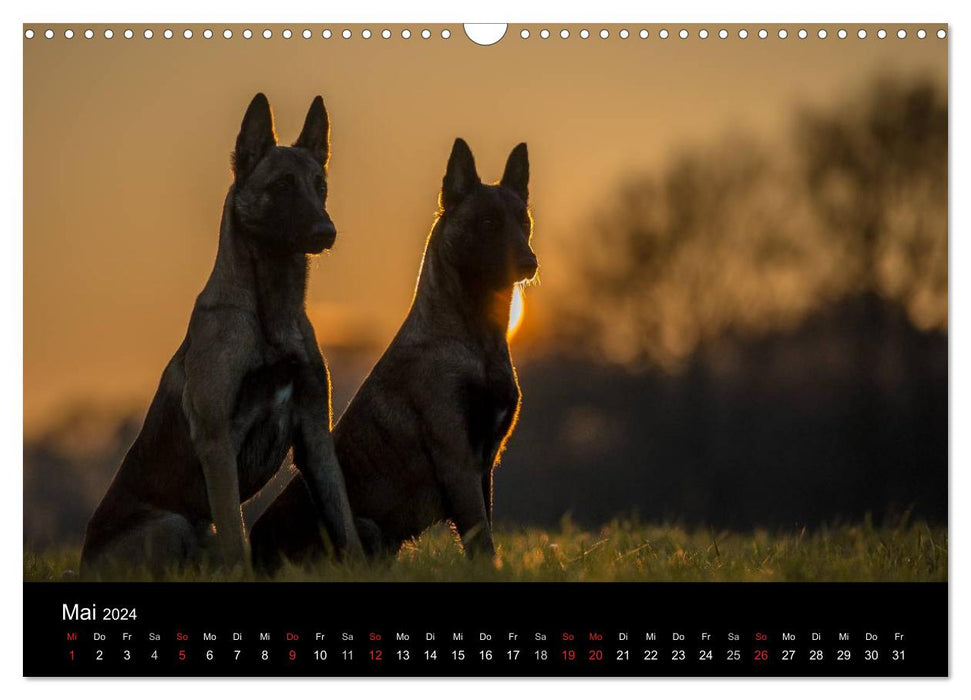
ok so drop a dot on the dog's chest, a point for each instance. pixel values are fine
(491, 401)
(265, 408)
(283, 340)
(264, 421)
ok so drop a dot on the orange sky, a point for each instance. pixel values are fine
(127, 143)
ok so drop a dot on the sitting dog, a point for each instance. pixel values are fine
(419, 441)
(248, 382)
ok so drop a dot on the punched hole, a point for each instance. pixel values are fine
(483, 34)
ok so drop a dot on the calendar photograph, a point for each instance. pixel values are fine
(381, 304)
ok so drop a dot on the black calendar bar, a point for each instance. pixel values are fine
(506, 629)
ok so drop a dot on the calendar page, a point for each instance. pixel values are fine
(485, 350)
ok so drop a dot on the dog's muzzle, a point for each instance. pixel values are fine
(322, 236)
(526, 267)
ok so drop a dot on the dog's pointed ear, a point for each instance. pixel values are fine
(460, 175)
(256, 136)
(516, 174)
(315, 136)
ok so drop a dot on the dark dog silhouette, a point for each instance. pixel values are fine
(419, 441)
(248, 382)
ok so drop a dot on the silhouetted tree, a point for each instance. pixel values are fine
(803, 287)
(876, 171)
(742, 239)
(720, 242)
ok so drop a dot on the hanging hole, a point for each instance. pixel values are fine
(484, 34)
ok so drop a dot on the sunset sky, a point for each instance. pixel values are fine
(127, 144)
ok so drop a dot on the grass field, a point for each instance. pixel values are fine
(626, 550)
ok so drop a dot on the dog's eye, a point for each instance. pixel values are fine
(488, 222)
(320, 184)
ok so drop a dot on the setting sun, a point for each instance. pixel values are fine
(516, 311)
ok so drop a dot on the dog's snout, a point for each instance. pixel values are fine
(324, 233)
(527, 266)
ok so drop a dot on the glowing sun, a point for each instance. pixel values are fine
(517, 310)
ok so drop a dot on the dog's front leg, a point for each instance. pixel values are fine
(313, 447)
(467, 509)
(218, 460)
(315, 457)
(219, 355)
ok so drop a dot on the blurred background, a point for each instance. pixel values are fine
(742, 314)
